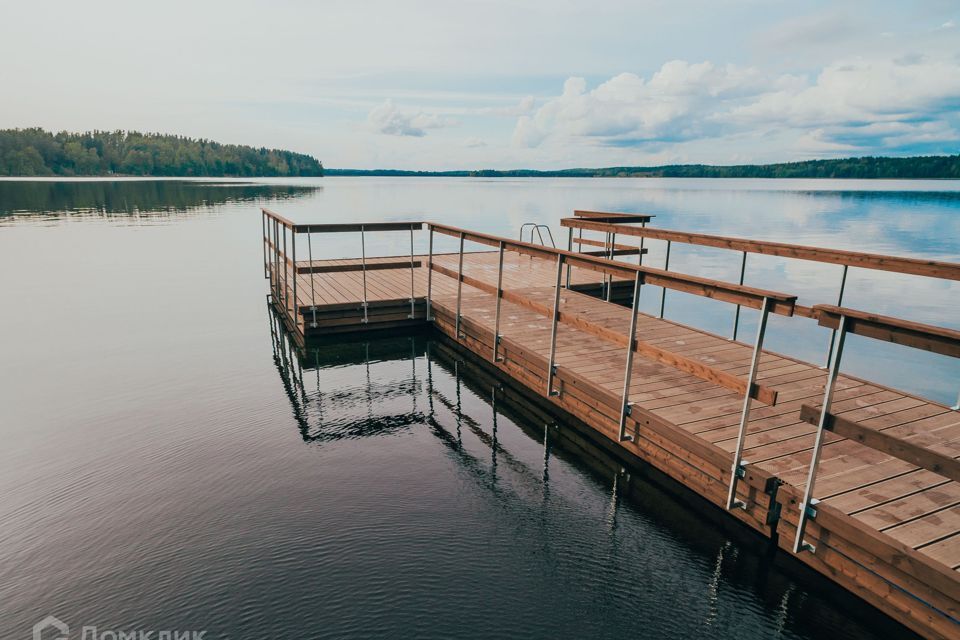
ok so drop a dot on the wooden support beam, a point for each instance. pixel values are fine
(914, 266)
(927, 337)
(687, 365)
(880, 441)
(279, 251)
(601, 243)
(371, 266)
(616, 252)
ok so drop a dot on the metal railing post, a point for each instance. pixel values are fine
(363, 264)
(496, 323)
(833, 332)
(266, 259)
(412, 295)
(570, 248)
(313, 293)
(286, 273)
(293, 260)
(267, 247)
(640, 259)
(459, 285)
(551, 365)
(737, 468)
(625, 403)
(276, 262)
(606, 249)
(736, 314)
(610, 254)
(666, 267)
(807, 509)
(430, 274)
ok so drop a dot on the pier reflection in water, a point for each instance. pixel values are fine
(582, 545)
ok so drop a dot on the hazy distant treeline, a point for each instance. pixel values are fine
(35, 152)
(867, 167)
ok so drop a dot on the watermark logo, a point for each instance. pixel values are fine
(51, 622)
(93, 633)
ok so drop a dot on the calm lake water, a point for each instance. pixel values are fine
(169, 463)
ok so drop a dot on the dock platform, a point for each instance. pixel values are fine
(855, 479)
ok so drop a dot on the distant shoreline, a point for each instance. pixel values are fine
(878, 168)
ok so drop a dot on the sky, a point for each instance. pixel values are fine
(474, 84)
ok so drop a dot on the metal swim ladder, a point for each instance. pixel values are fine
(536, 227)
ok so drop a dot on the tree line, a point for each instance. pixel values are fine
(36, 152)
(869, 167)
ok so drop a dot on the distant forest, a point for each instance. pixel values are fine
(36, 152)
(917, 167)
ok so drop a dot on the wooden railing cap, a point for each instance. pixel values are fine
(927, 337)
(895, 264)
(606, 216)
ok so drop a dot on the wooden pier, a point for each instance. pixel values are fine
(857, 480)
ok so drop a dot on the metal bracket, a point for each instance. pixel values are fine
(773, 512)
(812, 508)
(742, 469)
(772, 486)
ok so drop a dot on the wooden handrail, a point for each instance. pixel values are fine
(601, 243)
(279, 218)
(913, 266)
(605, 216)
(927, 337)
(352, 227)
(901, 449)
(752, 297)
(703, 371)
(342, 227)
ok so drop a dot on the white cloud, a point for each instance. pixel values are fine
(628, 109)
(876, 103)
(474, 143)
(390, 119)
(852, 105)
